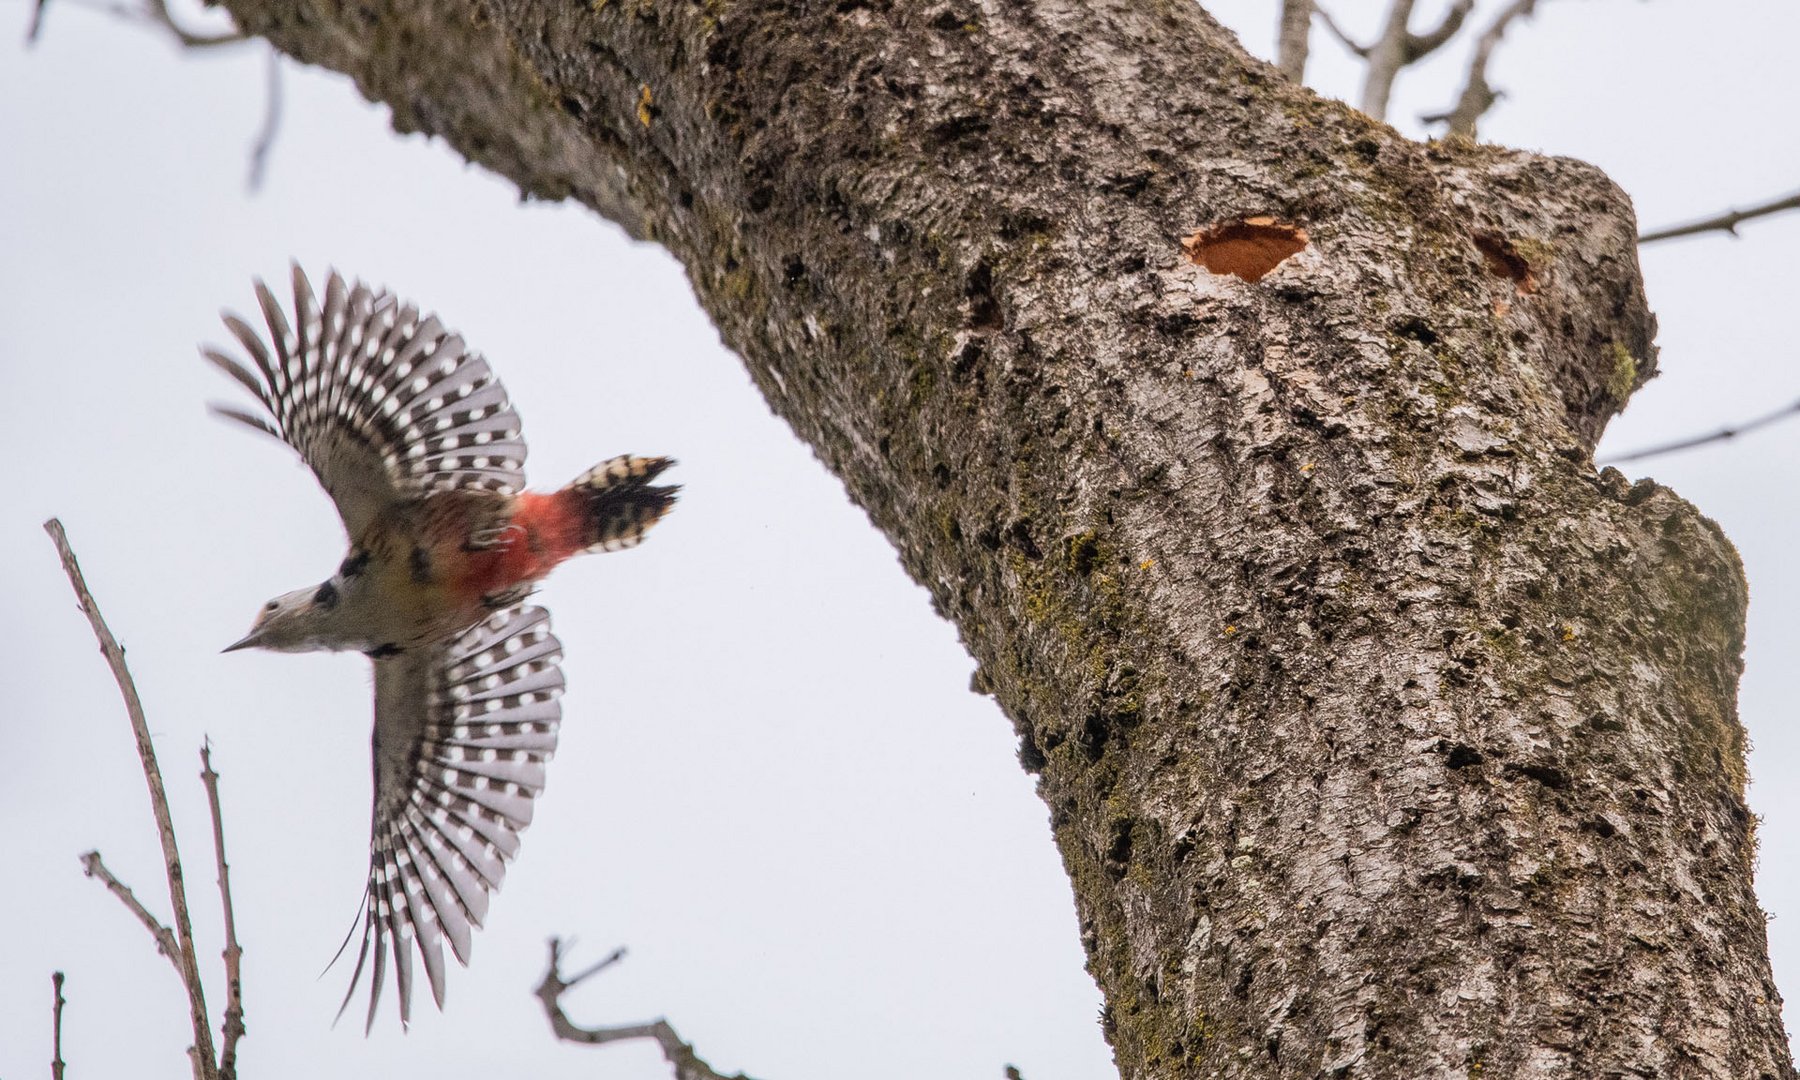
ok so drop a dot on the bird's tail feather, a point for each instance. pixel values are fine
(619, 503)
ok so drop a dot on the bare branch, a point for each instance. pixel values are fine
(678, 1054)
(189, 968)
(1338, 32)
(1294, 37)
(152, 12)
(265, 139)
(157, 11)
(1386, 57)
(1726, 222)
(233, 1024)
(56, 1061)
(1477, 96)
(32, 30)
(1397, 47)
(165, 937)
(1724, 434)
(1419, 46)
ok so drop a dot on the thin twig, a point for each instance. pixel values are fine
(678, 1054)
(265, 139)
(1726, 222)
(157, 11)
(1478, 96)
(150, 12)
(1724, 434)
(202, 1050)
(165, 937)
(36, 25)
(56, 1061)
(233, 1025)
(1337, 31)
(1293, 38)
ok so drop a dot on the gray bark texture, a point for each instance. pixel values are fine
(1381, 736)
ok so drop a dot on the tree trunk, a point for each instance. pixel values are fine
(1381, 737)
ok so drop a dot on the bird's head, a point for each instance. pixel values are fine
(292, 622)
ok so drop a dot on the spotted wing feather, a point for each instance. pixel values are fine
(381, 402)
(462, 733)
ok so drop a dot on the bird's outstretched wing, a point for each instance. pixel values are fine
(381, 402)
(462, 732)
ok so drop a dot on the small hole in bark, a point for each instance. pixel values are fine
(1031, 759)
(1118, 850)
(1417, 329)
(984, 308)
(1600, 827)
(1249, 248)
(1461, 757)
(1503, 260)
(1548, 775)
(948, 21)
(1019, 534)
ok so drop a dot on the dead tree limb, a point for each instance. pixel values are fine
(1724, 434)
(232, 1028)
(56, 1009)
(1398, 47)
(1294, 38)
(166, 943)
(156, 13)
(1726, 222)
(1356, 48)
(1477, 95)
(182, 953)
(680, 1055)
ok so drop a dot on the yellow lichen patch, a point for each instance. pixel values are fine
(1248, 247)
(643, 109)
(1623, 377)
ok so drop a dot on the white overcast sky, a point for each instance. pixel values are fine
(774, 785)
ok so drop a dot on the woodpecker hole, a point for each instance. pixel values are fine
(1504, 261)
(1249, 247)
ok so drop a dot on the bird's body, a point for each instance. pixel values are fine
(428, 568)
(416, 443)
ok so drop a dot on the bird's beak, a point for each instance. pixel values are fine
(249, 641)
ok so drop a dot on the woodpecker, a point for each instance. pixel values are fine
(415, 441)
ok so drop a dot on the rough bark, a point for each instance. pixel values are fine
(1381, 736)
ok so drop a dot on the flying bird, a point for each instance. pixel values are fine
(415, 441)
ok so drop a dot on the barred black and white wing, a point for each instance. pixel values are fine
(462, 732)
(381, 402)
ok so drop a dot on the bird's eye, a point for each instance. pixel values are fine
(327, 596)
(270, 606)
